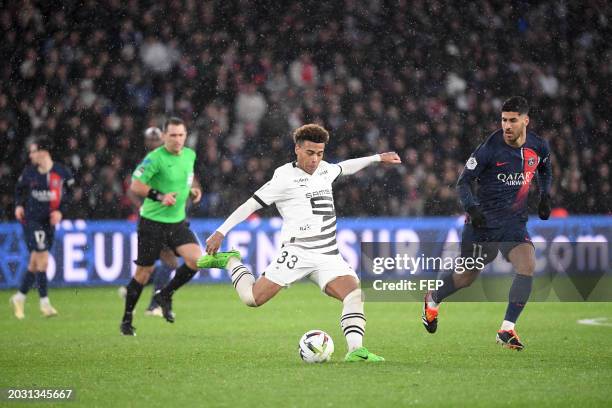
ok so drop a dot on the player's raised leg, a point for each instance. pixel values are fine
(252, 293)
(522, 258)
(353, 320)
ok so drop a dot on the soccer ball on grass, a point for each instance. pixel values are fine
(316, 346)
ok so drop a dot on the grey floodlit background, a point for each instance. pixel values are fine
(425, 79)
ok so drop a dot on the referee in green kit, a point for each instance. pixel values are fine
(164, 179)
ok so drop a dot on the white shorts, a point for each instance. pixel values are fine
(293, 264)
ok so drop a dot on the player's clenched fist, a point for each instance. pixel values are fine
(390, 157)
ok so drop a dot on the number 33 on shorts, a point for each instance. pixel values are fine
(288, 259)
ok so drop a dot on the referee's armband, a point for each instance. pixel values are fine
(155, 195)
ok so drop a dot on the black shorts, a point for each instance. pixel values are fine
(153, 236)
(38, 235)
(487, 242)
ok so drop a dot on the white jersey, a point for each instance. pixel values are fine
(306, 203)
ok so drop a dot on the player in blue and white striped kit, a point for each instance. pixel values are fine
(503, 166)
(42, 191)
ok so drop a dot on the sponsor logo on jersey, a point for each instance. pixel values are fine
(301, 180)
(324, 192)
(516, 179)
(44, 195)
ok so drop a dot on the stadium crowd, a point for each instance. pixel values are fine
(423, 78)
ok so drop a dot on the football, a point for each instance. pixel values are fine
(316, 346)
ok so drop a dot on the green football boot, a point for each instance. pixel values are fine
(218, 260)
(362, 354)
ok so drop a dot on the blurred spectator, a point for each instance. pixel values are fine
(421, 78)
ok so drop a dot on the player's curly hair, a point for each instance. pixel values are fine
(311, 132)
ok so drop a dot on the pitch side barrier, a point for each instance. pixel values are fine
(396, 258)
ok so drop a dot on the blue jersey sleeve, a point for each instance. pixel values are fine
(478, 161)
(21, 189)
(68, 184)
(545, 170)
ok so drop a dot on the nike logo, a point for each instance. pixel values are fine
(498, 164)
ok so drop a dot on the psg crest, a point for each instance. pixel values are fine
(531, 162)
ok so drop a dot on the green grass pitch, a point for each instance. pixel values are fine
(221, 353)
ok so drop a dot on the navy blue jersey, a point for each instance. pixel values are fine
(504, 174)
(40, 194)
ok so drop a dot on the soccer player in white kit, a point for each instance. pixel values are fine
(302, 192)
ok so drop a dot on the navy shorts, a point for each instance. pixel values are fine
(39, 236)
(154, 236)
(487, 242)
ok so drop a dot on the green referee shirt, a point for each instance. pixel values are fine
(166, 173)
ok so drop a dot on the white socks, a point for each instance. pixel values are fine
(243, 281)
(506, 325)
(430, 302)
(353, 320)
(19, 296)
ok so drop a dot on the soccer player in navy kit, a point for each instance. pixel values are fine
(42, 191)
(503, 167)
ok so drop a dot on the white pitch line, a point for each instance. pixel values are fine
(597, 321)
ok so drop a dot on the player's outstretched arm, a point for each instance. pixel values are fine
(390, 158)
(352, 166)
(213, 243)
